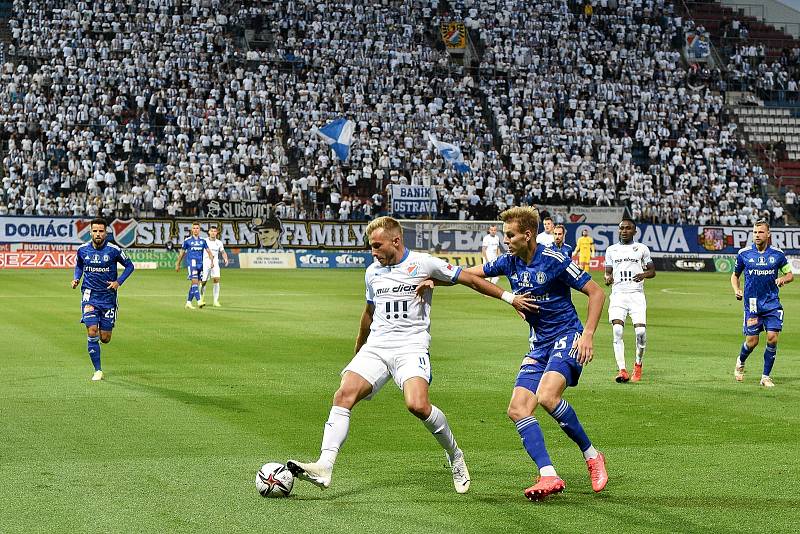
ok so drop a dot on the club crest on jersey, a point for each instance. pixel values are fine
(412, 269)
(541, 278)
(525, 279)
(772, 259)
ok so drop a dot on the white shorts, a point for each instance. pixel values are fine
(621, 305)
(210, 272)
(377, 364)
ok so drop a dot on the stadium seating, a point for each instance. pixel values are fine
(155, 108)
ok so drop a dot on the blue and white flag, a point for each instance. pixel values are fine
(338, 135)
(451, 154)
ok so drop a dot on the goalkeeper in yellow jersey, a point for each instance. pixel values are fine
(586, 251)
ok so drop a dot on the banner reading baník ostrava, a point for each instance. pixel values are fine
(412, 200)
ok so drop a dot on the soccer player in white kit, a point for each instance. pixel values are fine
(627, 265)
(490, 248)
(392, 343)
(546, 238)
(211, 266)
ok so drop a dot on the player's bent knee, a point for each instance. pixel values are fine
(420, 409)
(105, 337)
(772, 338)
(92, 331)
(549, 401)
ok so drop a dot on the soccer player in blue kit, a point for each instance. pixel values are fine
(559, 234)
(765, 270)
(193, 248)
(559, 345)
(96, 262)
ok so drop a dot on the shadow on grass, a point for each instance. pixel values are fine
(221, 402)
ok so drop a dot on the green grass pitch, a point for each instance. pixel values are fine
(195, 401)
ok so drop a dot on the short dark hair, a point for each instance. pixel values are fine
(548, 218)
(99, 220)
(628, 219)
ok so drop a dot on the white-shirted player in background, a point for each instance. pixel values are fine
(211, 266)
(546, 238)
(392, 342)
(490, 248)
(628, 263)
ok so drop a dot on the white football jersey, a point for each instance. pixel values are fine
(400, 317)
(545, 239)
(215, 247)
(626, 262)
(492, 245)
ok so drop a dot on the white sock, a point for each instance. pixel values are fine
(436, 423)
(641, 343)
(619, 345)
(548, 471)
(216, 291)
(336, 429)
(590, 453)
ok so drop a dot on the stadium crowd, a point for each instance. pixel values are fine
(153, 109)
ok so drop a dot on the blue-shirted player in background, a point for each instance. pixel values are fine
(96, 262)
(559, 234)
(559, 344)
(193, 248)
(765, 270)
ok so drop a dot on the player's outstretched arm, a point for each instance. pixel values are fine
(584, 349)
(521, 303)
(364, 326)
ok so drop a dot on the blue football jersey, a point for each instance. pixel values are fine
(99, 267)
(565, 249)
(549, 279)
(760, 272)
(195, 248)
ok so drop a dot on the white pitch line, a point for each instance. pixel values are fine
(672, 292)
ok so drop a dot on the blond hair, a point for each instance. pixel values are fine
(387, 224)
(526, 216)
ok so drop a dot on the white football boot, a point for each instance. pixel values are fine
(317, 473)
(97, 376)
(460, 472)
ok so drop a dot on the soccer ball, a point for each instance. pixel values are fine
(274, 480)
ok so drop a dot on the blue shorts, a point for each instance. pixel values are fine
(99, 314)
(195, 272)
(554, 356)
(755, 323)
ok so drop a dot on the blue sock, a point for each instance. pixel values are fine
(568, 421)
(744, 353)
(769, 358)
(533, 440)
(93, 346)
(196, 290)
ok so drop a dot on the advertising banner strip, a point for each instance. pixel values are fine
(37, 260)
(267, 260)
(333, 260)
(446, 237)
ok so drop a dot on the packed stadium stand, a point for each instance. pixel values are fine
(154, 108)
